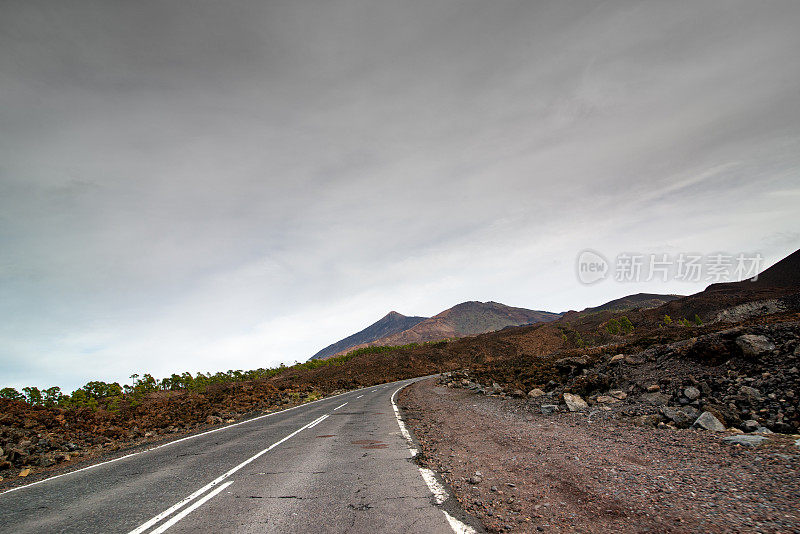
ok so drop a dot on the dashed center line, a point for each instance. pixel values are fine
(199, 493)
(359, 396)
(177, 517)
(339, 406)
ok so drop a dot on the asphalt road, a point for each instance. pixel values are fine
(342, 464)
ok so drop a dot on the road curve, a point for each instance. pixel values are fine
(341, 464)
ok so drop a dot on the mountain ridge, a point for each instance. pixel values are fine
(464, 319)
(391, 323)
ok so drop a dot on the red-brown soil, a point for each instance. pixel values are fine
(580, 473)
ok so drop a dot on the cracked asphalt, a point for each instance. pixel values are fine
(351, 472)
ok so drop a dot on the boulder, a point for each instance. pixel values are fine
(535, 392)
(634, 360)
(655, 399)
(752, 394)
(751, 425)
(679, 417)
(618, 394)
(747, 440)
(707, 421)
(571, 363)
(574, 402)
(617, 358)
(753, 345)
(691, 393)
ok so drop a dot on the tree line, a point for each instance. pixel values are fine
(111, 395)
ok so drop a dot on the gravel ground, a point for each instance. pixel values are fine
(580, 473)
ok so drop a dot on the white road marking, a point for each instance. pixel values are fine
(170, 443)
(339, 406)
(403, 429)
(440, 494)
(184, 513)
(359, 396)
(457, 526)
(169, 511)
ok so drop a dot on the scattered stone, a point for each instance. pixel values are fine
(572, 362)
(518, 393)
(606, 399)
(574, 402)
(707, 421)
(679, 417)
(25, 472)
(476, 478)
(691, 393)
(634, 360)
(46, 461)
(753, 345)
(535, 392)
(549, 409)
(214, 420)
(5, 464)
(655, 398)
(752, 394)
(747, 440)
(16, 456)
(618, 394)
(653, 388)
(617, 357)
(751, 425)
(650, 420)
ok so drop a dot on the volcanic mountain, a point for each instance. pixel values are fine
(465, 319)
(391, 323)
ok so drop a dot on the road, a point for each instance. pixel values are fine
(341, 464)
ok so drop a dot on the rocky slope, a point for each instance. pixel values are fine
(632, 302)
(518, 470)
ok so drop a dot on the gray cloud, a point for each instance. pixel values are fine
(202, 186)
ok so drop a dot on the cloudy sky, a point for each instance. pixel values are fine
(208, 185)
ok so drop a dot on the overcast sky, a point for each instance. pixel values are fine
(205, 185)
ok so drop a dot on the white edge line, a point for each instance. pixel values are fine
(169, 511)
(457, 526)
(226, 427)
(403, 429)
(439, 493)
(192, 508)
